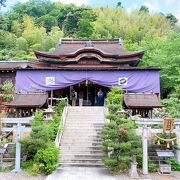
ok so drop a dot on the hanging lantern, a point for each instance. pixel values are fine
(168, 145)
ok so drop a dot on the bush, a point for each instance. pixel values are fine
(39, 147)
(47, 159)
(175, 165)
(152, 167)
(59, 107)
(118, 135)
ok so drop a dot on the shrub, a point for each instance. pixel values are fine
(47, 159)
(118, 135)
(175, 165)
(152, 167)
(59, 107)
(39, 147)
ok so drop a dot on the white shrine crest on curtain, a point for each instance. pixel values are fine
(123, 81)
(50, 80)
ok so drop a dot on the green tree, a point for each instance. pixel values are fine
(118, 135)
(47, 21)
(172, 19)
(16, 28)
(144, 9)
(85, 24)
(21, 44)
(119, 4)
(2, 2)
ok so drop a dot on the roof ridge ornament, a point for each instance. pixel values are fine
(89, 44)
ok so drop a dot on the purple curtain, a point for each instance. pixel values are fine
(137, 81)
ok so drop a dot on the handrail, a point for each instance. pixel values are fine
(61, 125)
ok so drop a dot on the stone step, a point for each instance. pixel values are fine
(81, 125)
(86, 108)
(84, 121)
(8, 159)
(85, 134)
(93, 151)
(86, 137)
(64, 164)
(82, 131)
(82, 144)
(65, 141)
(87, 155)
(80, 139)
(79, 149)
(85, 160)
(8, 156)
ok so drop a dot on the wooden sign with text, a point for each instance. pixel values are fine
(168, 125)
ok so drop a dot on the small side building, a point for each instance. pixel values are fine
(141, 104)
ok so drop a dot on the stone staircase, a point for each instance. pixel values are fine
(153, 157)
(81, 144)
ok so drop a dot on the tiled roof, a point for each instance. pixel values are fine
(141, 101)
(28, 100)
(10, 65)
(105, 47)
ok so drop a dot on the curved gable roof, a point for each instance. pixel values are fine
(109, 48)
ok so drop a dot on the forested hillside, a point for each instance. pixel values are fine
(38, 25)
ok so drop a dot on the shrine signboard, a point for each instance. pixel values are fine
(168, 125)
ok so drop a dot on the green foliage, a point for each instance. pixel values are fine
(172, 107)
(175, 165)
(152, 167)
(8, 88)
(47, 159)
(37, 25)
(172, 19)
(118, 135)
(59, 107)
(39, 147)
(31, 167)
(144, 9)
(85, 24)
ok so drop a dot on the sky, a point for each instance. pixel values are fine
(164, 6)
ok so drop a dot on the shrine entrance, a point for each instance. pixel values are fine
(87, 88)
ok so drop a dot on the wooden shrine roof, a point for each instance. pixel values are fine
(143, 101)
(70, 49)
(28, 100)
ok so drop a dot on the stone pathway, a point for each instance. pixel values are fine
(94, 173)
(81, 173)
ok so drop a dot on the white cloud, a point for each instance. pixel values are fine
(153, 6)
(77, 2)
(169, 2)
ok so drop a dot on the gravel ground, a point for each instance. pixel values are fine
(19, 176)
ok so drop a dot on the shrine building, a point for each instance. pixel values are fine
(83, 65)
